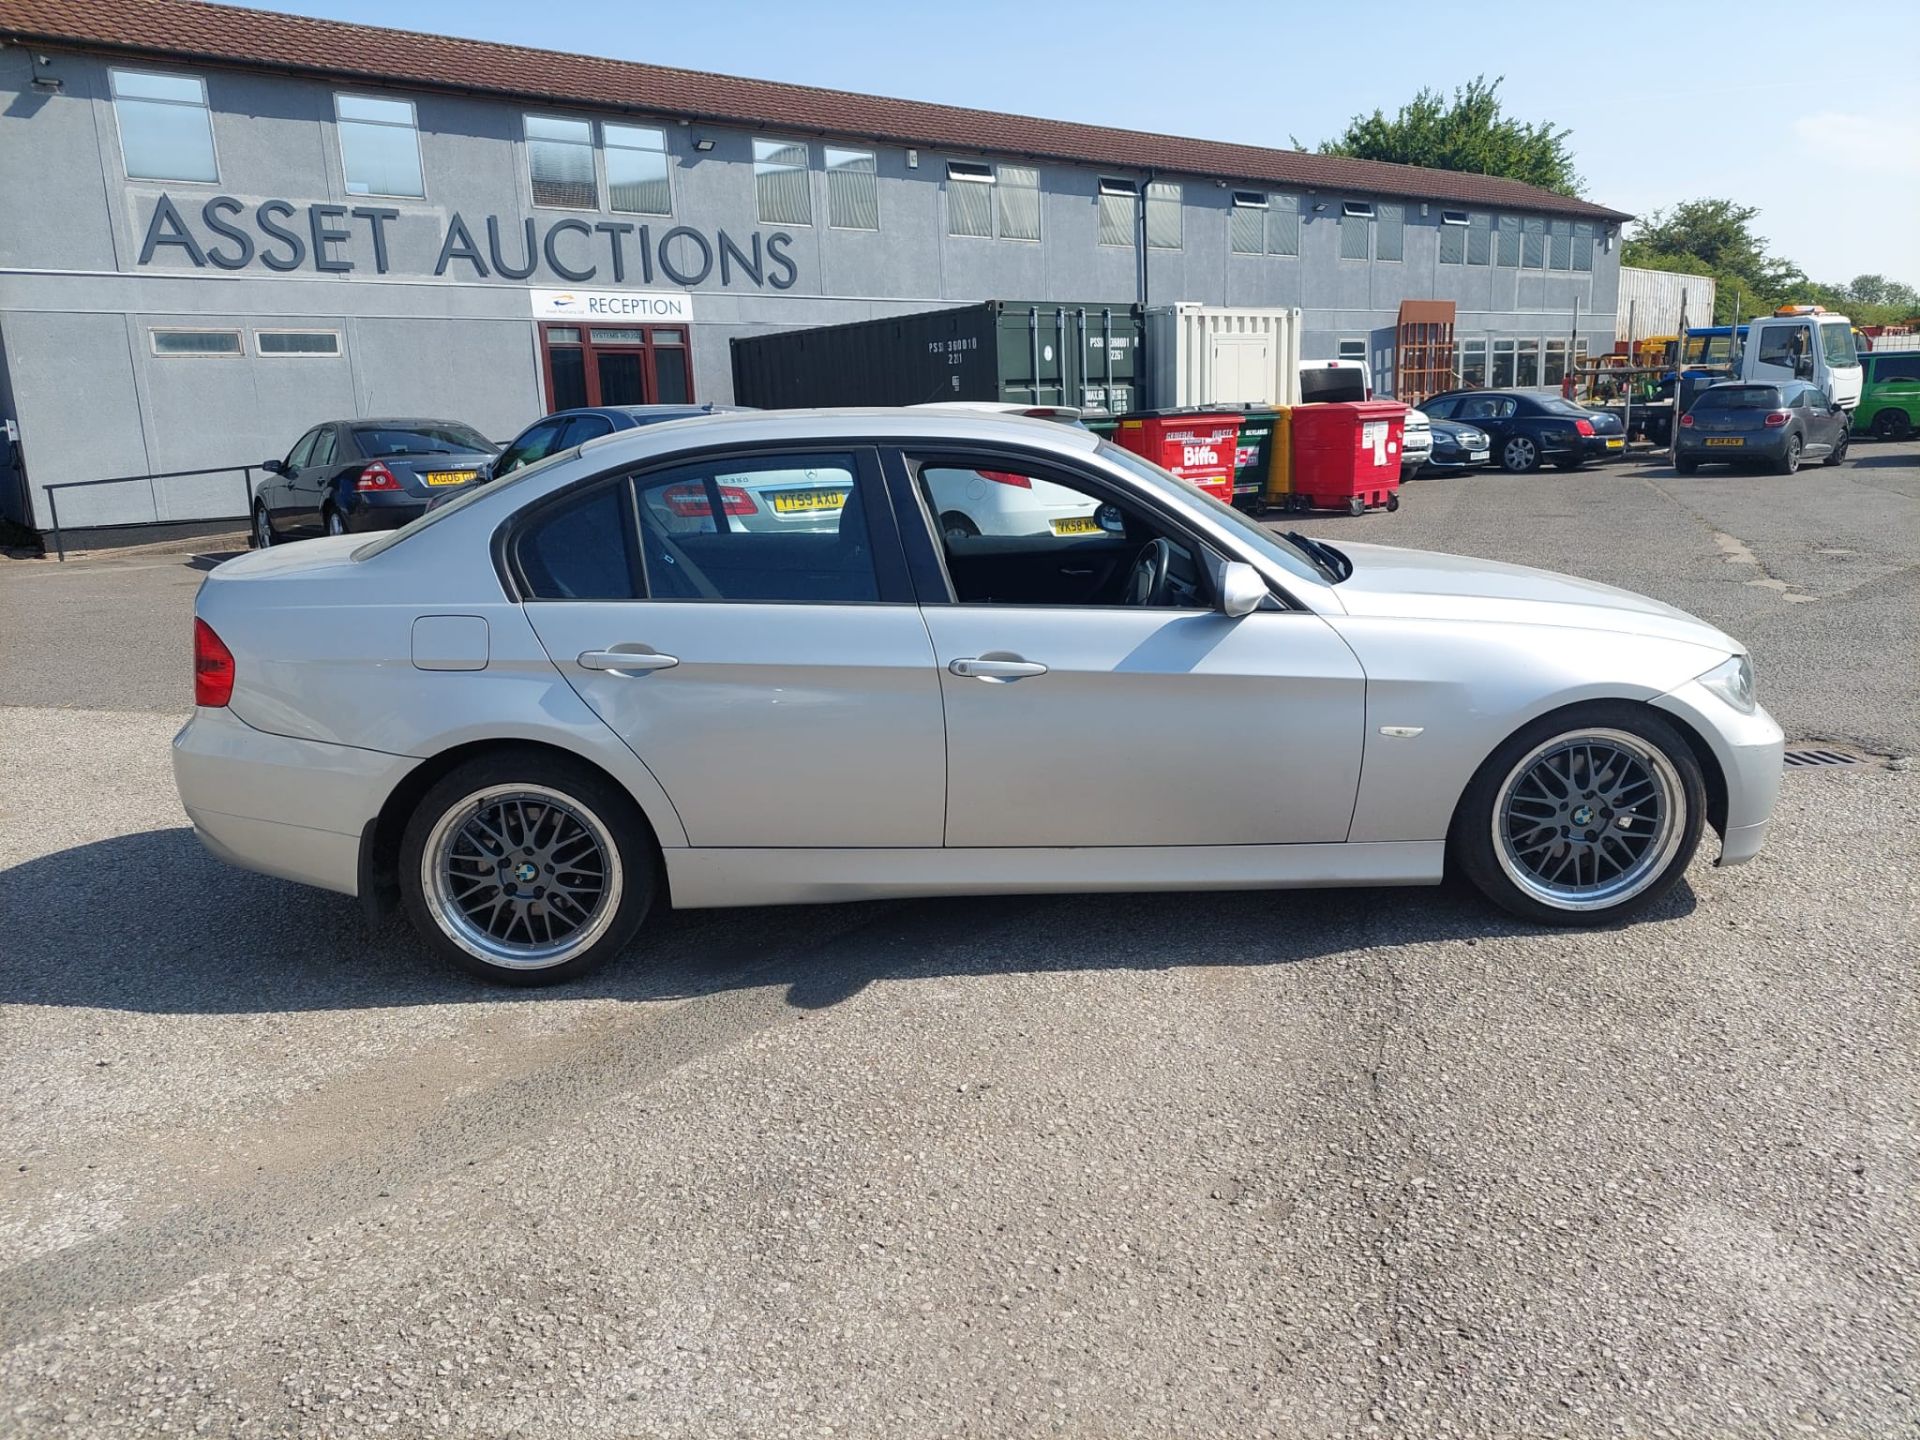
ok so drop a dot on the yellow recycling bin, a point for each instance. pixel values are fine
(1279, 486)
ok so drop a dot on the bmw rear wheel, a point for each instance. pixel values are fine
(526, 868)
(1588, 816)
(1519, 455)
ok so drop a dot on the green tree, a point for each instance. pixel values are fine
(1471, 132)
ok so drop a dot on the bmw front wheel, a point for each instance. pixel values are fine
(526, 868)
(1584, 817)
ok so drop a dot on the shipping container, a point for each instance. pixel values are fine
(1017, 351)
(1652, 298)
(1221, 355)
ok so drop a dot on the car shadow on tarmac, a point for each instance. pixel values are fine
(150, 922)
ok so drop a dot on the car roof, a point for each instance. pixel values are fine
(644, 414)
(875, 423)
(375, 420)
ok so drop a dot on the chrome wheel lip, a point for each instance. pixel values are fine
(452, 921)
(1653, 861)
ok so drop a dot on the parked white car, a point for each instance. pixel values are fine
(1416, 443)
(536, 713)
(995, 502)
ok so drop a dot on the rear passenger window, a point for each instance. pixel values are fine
(772, 528)
(580, 550)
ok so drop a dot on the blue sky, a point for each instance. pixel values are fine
(1827, 148)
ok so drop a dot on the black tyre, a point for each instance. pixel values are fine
(1519, 455)
(332, 521)
(1356, 506)
(1685, 464)
(527, 868)
(1891, 424)
(1789, 463)
(1587, 816)
(1569, 464)
(1393, 501)
(1838, 455)
(953, 523)
(263, 536)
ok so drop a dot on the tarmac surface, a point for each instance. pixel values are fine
(1366, 1163)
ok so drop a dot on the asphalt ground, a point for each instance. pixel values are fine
(1335, 1164)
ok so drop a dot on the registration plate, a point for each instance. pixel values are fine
(450, 477)
(802, 502)
(1478, 455)
(1077, 525)
(1616, 444)
(1726, 440)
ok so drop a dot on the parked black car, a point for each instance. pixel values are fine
(1773, 425)
(1457, 446)
(350, 475)
(565, 429)
(1529, 429)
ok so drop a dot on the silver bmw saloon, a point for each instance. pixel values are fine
(740, 660)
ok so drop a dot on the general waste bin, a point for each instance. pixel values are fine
(1253, 453)
(1346, 455)
(1196, 445)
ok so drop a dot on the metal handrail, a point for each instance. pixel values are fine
(53, 500)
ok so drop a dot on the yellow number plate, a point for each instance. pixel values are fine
(450, 477)
(799, 502)
(1726, 440)
(1616, 444)
(1077, 525)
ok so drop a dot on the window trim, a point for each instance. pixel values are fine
(339, 344)
(1340, 345)
(340, 143)
(665, 152)
(593, 149)
(119, 133)
(1455, 217)
(806, 169)
(238, 332)
(1356, 210)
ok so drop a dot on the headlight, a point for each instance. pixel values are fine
(1732, 681)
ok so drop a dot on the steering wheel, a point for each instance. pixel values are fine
(1147, 585)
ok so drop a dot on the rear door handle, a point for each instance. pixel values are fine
(626, 661)
(975, 669)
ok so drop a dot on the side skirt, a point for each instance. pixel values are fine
(708, 878)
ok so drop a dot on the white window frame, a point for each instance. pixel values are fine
(1118, 186)
(1039, 207)
(666, 151)
(154, 332)
(413, 125)
(827, 152)
(971, 172)
(113, 101)
(1358, 342)
(593, 148)
(1354, 210)
(806, 169)
(1147, 198)
(1253, 200)
(339, 345)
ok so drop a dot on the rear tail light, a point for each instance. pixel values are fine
(376, 477)
(1777, 418)
(212, 667)
(1583, 427)
(1686, 422)
(1007, 477)
(689, 501)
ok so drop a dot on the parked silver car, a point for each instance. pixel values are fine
(544, 708)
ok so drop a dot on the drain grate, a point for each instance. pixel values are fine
(1810, 759)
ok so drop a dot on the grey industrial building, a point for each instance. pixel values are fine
(221, 225)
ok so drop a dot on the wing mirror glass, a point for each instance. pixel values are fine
(274, 467)
(1109, 519)
(1241, 589)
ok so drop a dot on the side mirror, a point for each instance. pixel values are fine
(1241, 589)
(274, 467)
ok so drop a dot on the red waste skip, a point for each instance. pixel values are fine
(1346, 455)
(1196, 445)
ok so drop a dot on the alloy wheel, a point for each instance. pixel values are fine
(1520, 454)
(1589, 819)
(335, 525)
(262, 528)
(521, 876)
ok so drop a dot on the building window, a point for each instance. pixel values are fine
(1352, 349)
(296, 342)
(166, 130)
(1479, 240)
(1283, 225)
(1389, 237)
(1560, 236)
(1555, 369)
(560, 160)
(1119, 200)
(1503, 365)
(197, 343)
(1163, 215)
(1510, 241)
(1016, 202)
(1583, 247)
(1356, 230)
(1534, 254)
(780, 182)
(1247, 227)
(1473, 364)
(379, 146)
(853, 189)
(1527, 369)
(970, 198)
(1453, 237)
(637, 170)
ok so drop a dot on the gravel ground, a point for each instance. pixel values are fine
(1341, 1164)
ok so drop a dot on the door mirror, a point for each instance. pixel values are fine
(274, 467)
(1241, 589)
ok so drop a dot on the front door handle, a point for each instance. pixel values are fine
(993, 669)
(626, 661)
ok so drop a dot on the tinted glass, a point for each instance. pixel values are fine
(1740, 397)
(302, 448)
(582, 428)
(535, 443)
(297, 342)
(579, 550)
(1440, 409)
(1783, 344)
(322, 449)
(671, 383)
(419, 439)
(569, 366)
(1896, 367)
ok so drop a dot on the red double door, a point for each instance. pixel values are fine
(615, 365)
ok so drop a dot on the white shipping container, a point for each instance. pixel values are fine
(1652, 298)
(1221, 355)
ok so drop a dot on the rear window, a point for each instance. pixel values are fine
(1564, 407)
(420, 439)
(1739, 397)
(1317, 386)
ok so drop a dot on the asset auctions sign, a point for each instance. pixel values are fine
(611, 305)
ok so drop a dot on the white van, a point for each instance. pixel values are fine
(1804, 342)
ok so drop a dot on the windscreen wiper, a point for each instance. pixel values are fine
(1334, 565)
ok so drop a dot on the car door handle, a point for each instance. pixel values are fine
(980, 669)
(626, 661)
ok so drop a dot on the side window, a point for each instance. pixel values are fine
(535, 443)
(787, 529)
(1904, 367)
(322, 448)
(1440, 409)
(1504, 408)
(1022, 537)
(581, 549)
(1782, 344)
(297, 456)
(582, 428)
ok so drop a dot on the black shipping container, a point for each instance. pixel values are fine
(1018, 351)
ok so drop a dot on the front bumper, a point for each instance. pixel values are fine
(1452, 458)
(285, 807)
(1750, 750)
